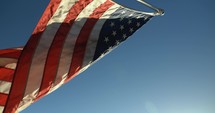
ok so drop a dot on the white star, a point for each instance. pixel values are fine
(131, 14)
(110, 48)
(123, 12)
(121, 19)
(114, 33)
(138, 24)
(129, 21)
(138, 17)
(112, 24)
(122, 27)
(131, 30)
(146, 17)
(117, 42)
(106, 39)
(124, 36)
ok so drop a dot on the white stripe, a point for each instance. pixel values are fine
(67, 52)
(39, 59)
(94, 36)
(5, 87)
(6, 61)
(11, 66)
(1, 109)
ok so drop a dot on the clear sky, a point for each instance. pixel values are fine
(168, 66)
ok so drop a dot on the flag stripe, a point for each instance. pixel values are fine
(94, 36)
(5, 51)
(9, 56)
(56, 47)
(10, 53)
(21, 74)
(6, 74)
(1, 109)
(82, 39)
(5, 87)
(3, 99)
(7, 62)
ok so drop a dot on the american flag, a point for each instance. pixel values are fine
(70, 36)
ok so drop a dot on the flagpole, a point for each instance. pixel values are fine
(159, 11)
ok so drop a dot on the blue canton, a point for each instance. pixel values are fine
(122, 24)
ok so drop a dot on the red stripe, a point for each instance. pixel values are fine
(22, 70)
(82, 39)
(3, 99)
(10, 53)
(6, 51)
(6, 74)
(55, 50)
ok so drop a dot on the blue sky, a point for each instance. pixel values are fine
(168, 66)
